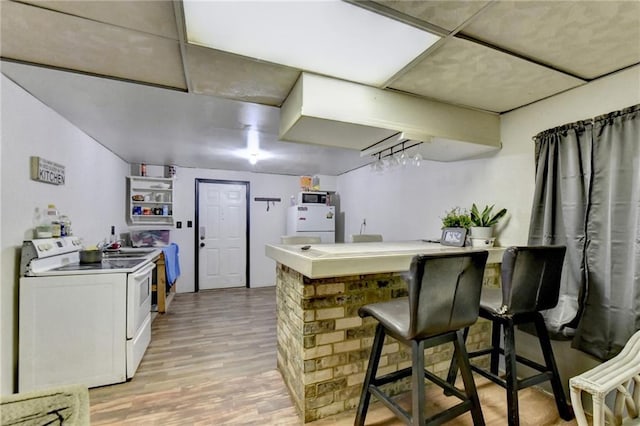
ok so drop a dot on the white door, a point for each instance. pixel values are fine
(222, 235)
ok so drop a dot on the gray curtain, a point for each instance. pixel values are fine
(587, 197)
(612, 304)
(563, 171)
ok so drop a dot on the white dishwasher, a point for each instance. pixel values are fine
(80, 323)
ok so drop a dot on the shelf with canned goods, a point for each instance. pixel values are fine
(150, 200)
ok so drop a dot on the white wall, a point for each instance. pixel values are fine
(265, 227)
(407, 203)
(92, 195)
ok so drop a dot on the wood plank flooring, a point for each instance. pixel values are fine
(212, 361)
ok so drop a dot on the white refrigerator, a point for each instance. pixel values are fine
(312, 220)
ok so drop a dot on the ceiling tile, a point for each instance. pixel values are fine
(586, 38)
(50, 38)
(154, 17)
(446, 14)
(217, 73)
(469, 74)
(172, 127)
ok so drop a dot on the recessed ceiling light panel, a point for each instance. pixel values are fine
(323, 36)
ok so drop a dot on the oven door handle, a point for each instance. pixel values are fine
(143, 272)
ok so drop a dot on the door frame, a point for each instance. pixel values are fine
(196, 244)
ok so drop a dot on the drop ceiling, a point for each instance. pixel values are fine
(124, 73)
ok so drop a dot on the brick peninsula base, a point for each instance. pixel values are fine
(323, 345)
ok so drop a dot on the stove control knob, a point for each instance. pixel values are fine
(41, 247)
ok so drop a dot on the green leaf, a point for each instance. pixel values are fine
(485, 218)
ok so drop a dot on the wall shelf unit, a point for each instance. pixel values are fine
(150, 200)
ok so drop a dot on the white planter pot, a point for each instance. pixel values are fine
(482, 242)
(482, 232)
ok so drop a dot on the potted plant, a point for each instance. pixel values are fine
(456, 218)
(482, 222)
(455, 224)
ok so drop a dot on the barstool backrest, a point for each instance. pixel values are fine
(366, 238)
(299, 239)
(444, 292)
(531, 278)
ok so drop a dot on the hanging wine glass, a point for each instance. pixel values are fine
(404, 158)
(378, 166)
(417, 159)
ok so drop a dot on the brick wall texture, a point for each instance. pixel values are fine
(324, 346)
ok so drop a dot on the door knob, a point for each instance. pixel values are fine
(201, 245)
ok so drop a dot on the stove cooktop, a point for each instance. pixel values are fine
(106, 264)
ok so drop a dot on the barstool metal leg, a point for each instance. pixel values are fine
(558, 392)
(511, 373)
(372, 368)
(417, 383)
(462, 359)
(495, 346)
(453, 367)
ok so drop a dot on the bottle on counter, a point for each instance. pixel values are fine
(52, 217)
(65, 226)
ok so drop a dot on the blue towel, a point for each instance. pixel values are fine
(171, 263)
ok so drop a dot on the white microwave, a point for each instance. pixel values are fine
(312, 198)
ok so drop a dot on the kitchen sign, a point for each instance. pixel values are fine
(47, 171)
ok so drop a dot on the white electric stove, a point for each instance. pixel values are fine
(81, 323)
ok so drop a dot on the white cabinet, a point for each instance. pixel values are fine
(72, 329)
(150, 200)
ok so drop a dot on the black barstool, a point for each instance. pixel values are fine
(444, 297)
(530, 284)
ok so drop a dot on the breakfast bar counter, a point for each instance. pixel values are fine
(323, 345)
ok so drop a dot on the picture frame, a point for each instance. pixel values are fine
(455, 237)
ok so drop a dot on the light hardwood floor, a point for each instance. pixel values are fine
(212, 361)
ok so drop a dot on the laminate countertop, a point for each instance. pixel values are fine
(342, 259)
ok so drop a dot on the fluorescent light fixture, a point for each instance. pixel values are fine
(253, 153)
(253, 140)
(328, 37)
